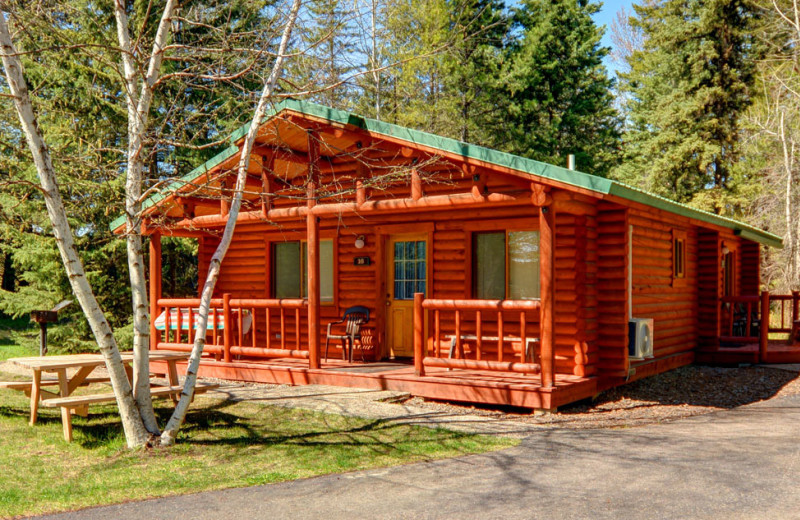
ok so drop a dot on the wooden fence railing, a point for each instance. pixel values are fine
(246, 327)
(743, 318)
(484, 324)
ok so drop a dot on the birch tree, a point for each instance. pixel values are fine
(139, 85)
(132, 423)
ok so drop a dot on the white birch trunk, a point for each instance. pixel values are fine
(135, 432)
(178, 416)
(791, 274)
(139, 103)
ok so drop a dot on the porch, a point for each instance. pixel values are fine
(478, 351)
(743, 339)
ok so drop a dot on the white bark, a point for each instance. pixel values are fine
(139, 101)
(178, 416)
(135, 432)
(791, 273)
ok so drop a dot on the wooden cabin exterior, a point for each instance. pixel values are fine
(504, 280)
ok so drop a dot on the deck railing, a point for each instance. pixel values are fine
(246, 327)
(742, 318)
(484, 324)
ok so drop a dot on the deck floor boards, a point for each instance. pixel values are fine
(476, 386)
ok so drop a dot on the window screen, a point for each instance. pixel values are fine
(523, 265)
(489, 266)
(325, 270)
(286, 264)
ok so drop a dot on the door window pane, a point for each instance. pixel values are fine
(409, 269)
(523, 265)
(489, 266)
(287, 269)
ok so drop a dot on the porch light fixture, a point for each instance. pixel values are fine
(725, 249)
(359, 242)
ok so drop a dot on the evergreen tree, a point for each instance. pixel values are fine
(555, 88)
(688, 88)
(74, 69)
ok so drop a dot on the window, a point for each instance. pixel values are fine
(678, 257)
(409, 269)
(290, 261)
(727, 274)
(505, 265)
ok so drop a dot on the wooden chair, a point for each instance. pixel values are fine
(353, 319)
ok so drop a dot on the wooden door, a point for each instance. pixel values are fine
(406, 274)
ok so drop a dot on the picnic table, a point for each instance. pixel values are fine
(84, 364)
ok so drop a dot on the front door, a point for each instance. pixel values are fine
(406, 274)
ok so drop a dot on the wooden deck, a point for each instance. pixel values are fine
(778, 351)
(474, 386)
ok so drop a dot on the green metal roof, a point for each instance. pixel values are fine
(470, 151)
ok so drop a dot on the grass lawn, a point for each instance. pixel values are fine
(222, 444)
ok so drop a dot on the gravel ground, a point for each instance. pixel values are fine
(684, 392)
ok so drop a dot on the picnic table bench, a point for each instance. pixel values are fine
(80, 403)
(83, 365)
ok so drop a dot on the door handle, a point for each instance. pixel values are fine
(388, 303)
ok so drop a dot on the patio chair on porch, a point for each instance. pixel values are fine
(353, 319)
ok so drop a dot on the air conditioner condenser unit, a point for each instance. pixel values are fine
(640, 338)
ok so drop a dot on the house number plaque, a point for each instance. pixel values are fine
(361, 260)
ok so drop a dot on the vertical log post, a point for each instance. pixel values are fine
(547, 231)
(795, 306)
(361, 193)
(155, 285)
(224, 201)
(764, 330)
(227, 331)
(267, 165)
(419, 335)
(416, 185)
(312, 235)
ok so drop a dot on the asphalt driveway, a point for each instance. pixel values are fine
(742, 463)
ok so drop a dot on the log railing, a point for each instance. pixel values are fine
(488, 326)
(767, 313)
(265, 328)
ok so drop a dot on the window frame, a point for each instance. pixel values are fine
(679, 256)
(473, 261)
(303, 266)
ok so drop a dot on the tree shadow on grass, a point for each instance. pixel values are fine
(213, 424)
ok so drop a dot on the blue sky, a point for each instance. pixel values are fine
(606, 15)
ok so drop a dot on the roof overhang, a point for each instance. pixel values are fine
(465, 152)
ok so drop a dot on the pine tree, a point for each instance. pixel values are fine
(555, 88)
(688, 88)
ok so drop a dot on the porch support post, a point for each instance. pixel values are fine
(313, 281)
(267, 165)
(312, 231)
(155, 285)
(547, 231)
(419, 335)
(763, 339)
(224, 200)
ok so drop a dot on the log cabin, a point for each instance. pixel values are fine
(487, 277)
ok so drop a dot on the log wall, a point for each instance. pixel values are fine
(612, 290)
(670, 301)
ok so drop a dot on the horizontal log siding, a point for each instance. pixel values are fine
(708, 287)
(612, 290)
(670, 302)
(750, 274)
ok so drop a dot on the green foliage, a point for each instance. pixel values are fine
(556, 88)
(688, 88)
(74, 73)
